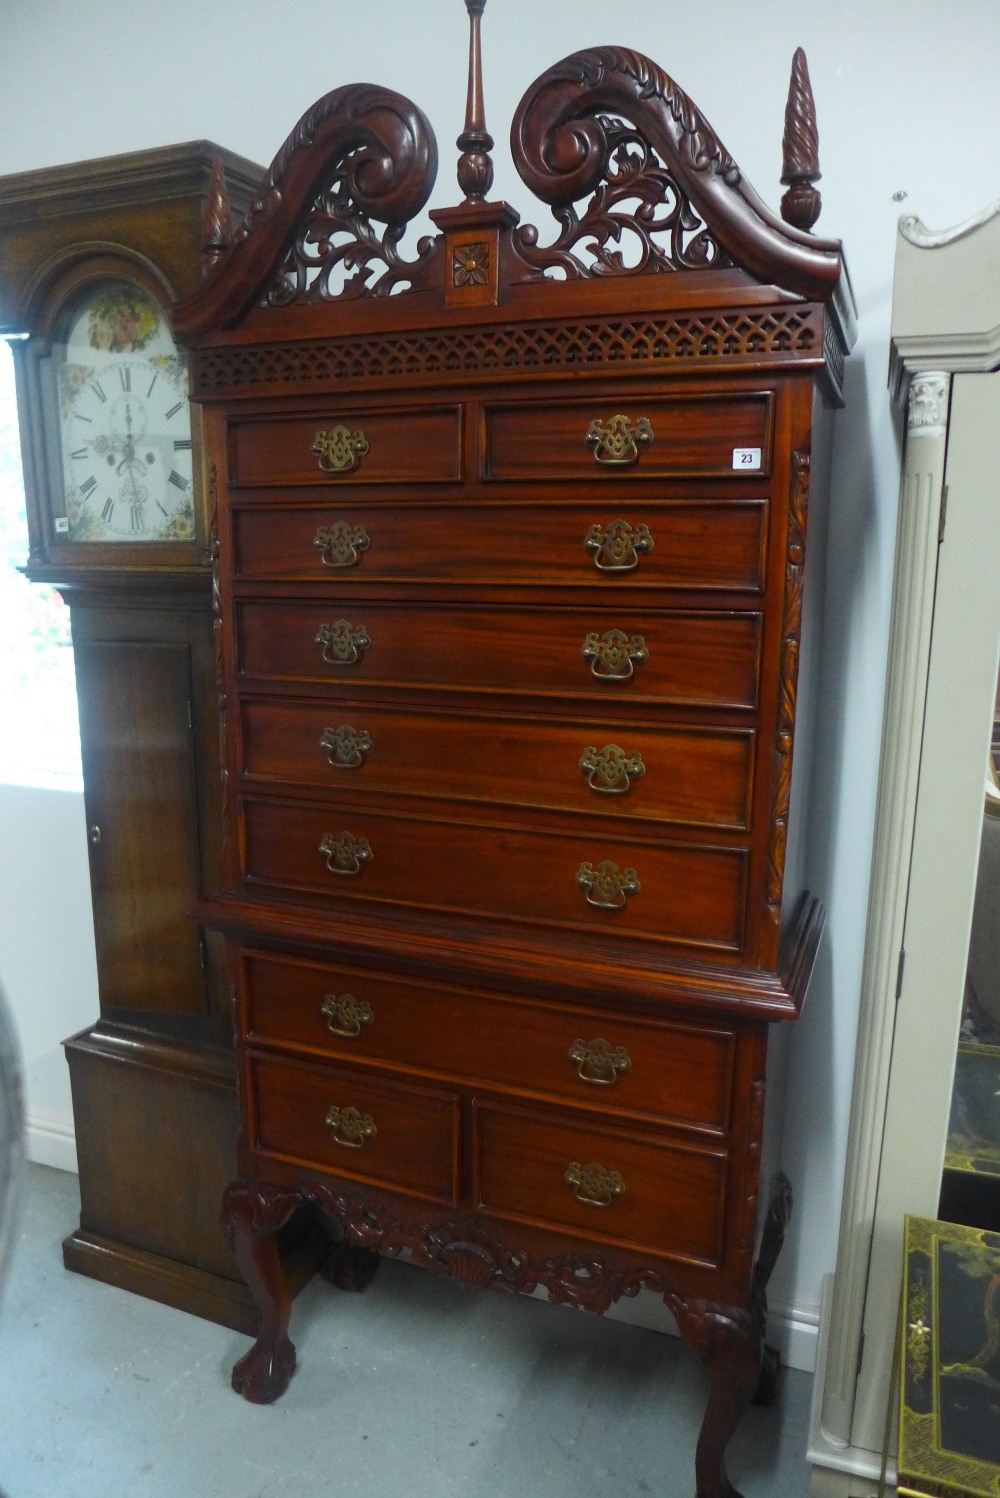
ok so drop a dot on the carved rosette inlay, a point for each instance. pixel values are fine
(607, 887)
(795, 557)
(927, 404)
(343, 643)
(470, 265)
(611, 771)
(347, 748)
(345, 854)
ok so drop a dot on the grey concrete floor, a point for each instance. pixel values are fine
(415, 1389)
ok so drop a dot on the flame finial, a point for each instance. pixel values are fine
(800, 149)
(475, 169)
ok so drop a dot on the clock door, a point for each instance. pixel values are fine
(141, 806)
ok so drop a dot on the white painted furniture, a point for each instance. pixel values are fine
(943, 654)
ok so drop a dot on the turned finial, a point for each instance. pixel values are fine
(475, 169)
(800, 149)
(215, 220)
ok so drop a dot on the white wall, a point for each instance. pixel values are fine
(906, 97)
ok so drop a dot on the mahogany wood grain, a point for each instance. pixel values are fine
(705, 659)
(675, 1073)
(673, 1197)
(415, 445)
(692, 436)
(691, 895)
(711, 542)
(413, 1145)
(693, 777)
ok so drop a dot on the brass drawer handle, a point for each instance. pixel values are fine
(346, 747)
(340, 545)
(337, 449)
(614, 655)
(593, 1184)
(345, 854)
(619, 441)
(617, 548)
(349, 1127)
(605, 886)
(611, 771)
(344, 1014)
(600, 1062)
(343, 643)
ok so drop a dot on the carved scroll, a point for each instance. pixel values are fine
(788, 683)
(360, 153)
(608, 125)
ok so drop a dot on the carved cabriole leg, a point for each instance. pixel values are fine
(729, 1343)
(252, 1213)
(778, 1213)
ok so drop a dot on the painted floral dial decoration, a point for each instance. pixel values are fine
(124, 422)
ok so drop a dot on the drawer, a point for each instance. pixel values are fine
(699, 777)
(648, 655)
(404, 444)
(697, 436)
(677, 893)
(633, 1190)
(681, 1074)
(708, 544)
(361, 1127)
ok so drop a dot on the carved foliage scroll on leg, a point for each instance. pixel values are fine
(252, 1212)
(729, 1342)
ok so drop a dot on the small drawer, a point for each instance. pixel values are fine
(362, 1127)
(678, 892)
(699, 777)
(635, 437)
(338, 445)
(711, 544)
(676, 1073)
(636, 1191)
(609, 652)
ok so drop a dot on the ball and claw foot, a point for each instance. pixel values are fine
(262, 1376)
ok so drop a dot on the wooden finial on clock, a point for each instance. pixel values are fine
(475, 169)
(800, 149)
(216, 220)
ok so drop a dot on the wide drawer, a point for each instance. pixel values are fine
(619, 654)
(698, 777)
(708, 544)
(632, 1190)
(681, 1074)
(634, 437)
(338, 444)
(678, 893)
(362, 1127)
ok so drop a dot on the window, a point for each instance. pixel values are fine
(39, 731)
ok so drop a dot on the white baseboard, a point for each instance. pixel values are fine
(839, 1471)
(50, 1141)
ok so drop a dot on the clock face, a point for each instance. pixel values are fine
(125, 423)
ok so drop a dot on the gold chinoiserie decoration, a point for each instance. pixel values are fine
(340, 544)
(611, 770)
(345, 854)
(606, 887)
(620, 440)
(344, 1014)
(337, 449)
(593, 1184)
(614, 655)
(617, 547)
(349, 1127)
(342, 643)
(347, 748)
(600, 1062)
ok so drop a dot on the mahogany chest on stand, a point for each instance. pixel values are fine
(510, 543)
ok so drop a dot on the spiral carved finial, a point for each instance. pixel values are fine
(800, 149)
(216, 222)
(475, 169)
